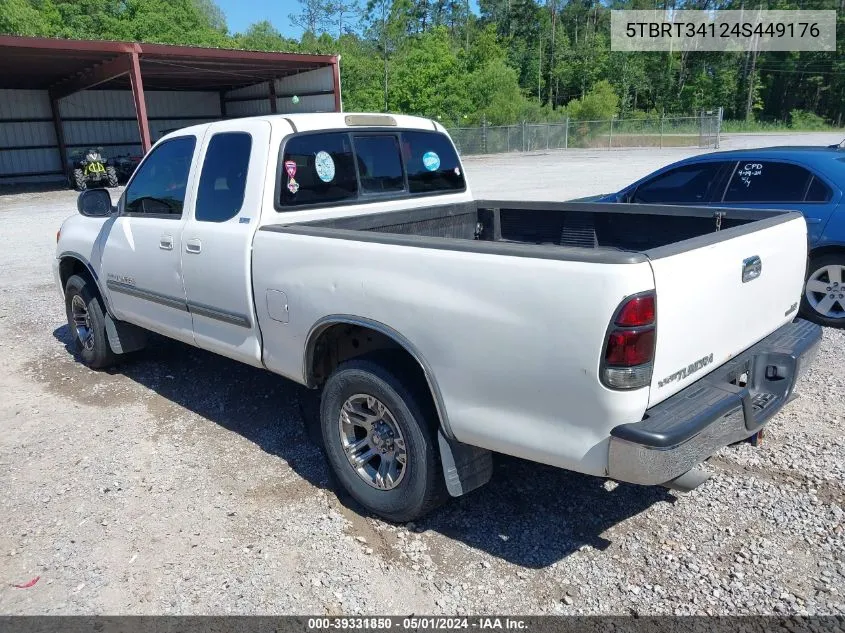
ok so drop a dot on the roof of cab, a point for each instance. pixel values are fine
(311, 121)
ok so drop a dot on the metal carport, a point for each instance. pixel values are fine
(57, 95)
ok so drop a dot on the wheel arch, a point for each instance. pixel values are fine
(71, 263)
(381, 336)
(827, 249)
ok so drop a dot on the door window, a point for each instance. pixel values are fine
(767, 181)
(690, 184)
(317, 168)
(431, 162)
(223, 177)
(379, 164)
(159, 185)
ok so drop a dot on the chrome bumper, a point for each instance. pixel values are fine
(689, 427)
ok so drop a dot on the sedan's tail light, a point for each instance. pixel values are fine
(629, 348)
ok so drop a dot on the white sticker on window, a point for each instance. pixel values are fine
(324, 164)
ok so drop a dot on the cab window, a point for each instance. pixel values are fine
(159, 185)
(318, 168)
(223, 179)
(431, 162)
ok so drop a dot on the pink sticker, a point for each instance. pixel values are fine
(290, 168)
(293, 186)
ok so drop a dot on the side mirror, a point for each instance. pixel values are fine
(94, 203)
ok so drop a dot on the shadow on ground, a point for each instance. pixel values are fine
(529, 514)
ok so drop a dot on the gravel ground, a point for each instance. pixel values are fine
(181, 482)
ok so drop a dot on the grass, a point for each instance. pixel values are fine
(737, 127)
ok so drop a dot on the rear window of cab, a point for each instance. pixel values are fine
(364, 165)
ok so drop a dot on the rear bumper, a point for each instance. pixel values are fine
(730, 404)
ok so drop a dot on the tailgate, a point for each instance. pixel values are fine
(706, 313)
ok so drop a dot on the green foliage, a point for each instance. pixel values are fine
(801, 120)
(599, 104)
(519, 60)
(427, 79)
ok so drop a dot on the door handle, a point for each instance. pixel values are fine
(165, 242)
(193, 246)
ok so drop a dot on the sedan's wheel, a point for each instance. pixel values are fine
(380, 435)
(824, 293)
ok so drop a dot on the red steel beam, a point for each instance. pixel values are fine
(338, 103)
(60, 133)
(168, 51)
(94, 76)
(50, 43)
(140, 102)
(274, 106)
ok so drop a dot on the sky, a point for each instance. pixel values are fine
(241, 13)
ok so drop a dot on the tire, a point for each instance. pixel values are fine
(111, 174)
(823, 301)
(87, 323)
(415, 487)
(79, 180)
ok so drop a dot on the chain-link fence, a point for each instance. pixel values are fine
(697, 131)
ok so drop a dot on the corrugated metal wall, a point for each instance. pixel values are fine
(28, 146)
(315, 89)
(26, 122)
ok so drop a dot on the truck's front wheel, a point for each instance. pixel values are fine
(87, 323)
(380, 439)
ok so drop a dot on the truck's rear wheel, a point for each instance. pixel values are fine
(87, 323)
(380, 439)
(824, 294)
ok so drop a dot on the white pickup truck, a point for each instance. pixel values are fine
(345, 252)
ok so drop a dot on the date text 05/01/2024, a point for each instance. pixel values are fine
(416, 623)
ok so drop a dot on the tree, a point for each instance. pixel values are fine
(312, 17)
(263, 36)
(599, 104)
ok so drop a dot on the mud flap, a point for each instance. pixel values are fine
(124, 337)
(465, 467)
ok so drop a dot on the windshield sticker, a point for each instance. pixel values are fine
(324, 164)
(290, 168)
(457, 171)
(431, 161)
(293, 186)
(745, 172)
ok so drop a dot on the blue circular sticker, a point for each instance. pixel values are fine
(431, 161)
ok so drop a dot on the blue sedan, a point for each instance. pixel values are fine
(806, 179)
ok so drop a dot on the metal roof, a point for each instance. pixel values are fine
(48, 63)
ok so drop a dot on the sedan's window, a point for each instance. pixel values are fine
(159, 185)
(818, 192)
(690, 184)
(317, 168)
(223, 179)
(767, 181)
(379, 165)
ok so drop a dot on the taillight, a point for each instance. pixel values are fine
(629, 349)
(637, 312)
(58, 235)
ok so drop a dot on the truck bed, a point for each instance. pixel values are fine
(580, 231)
